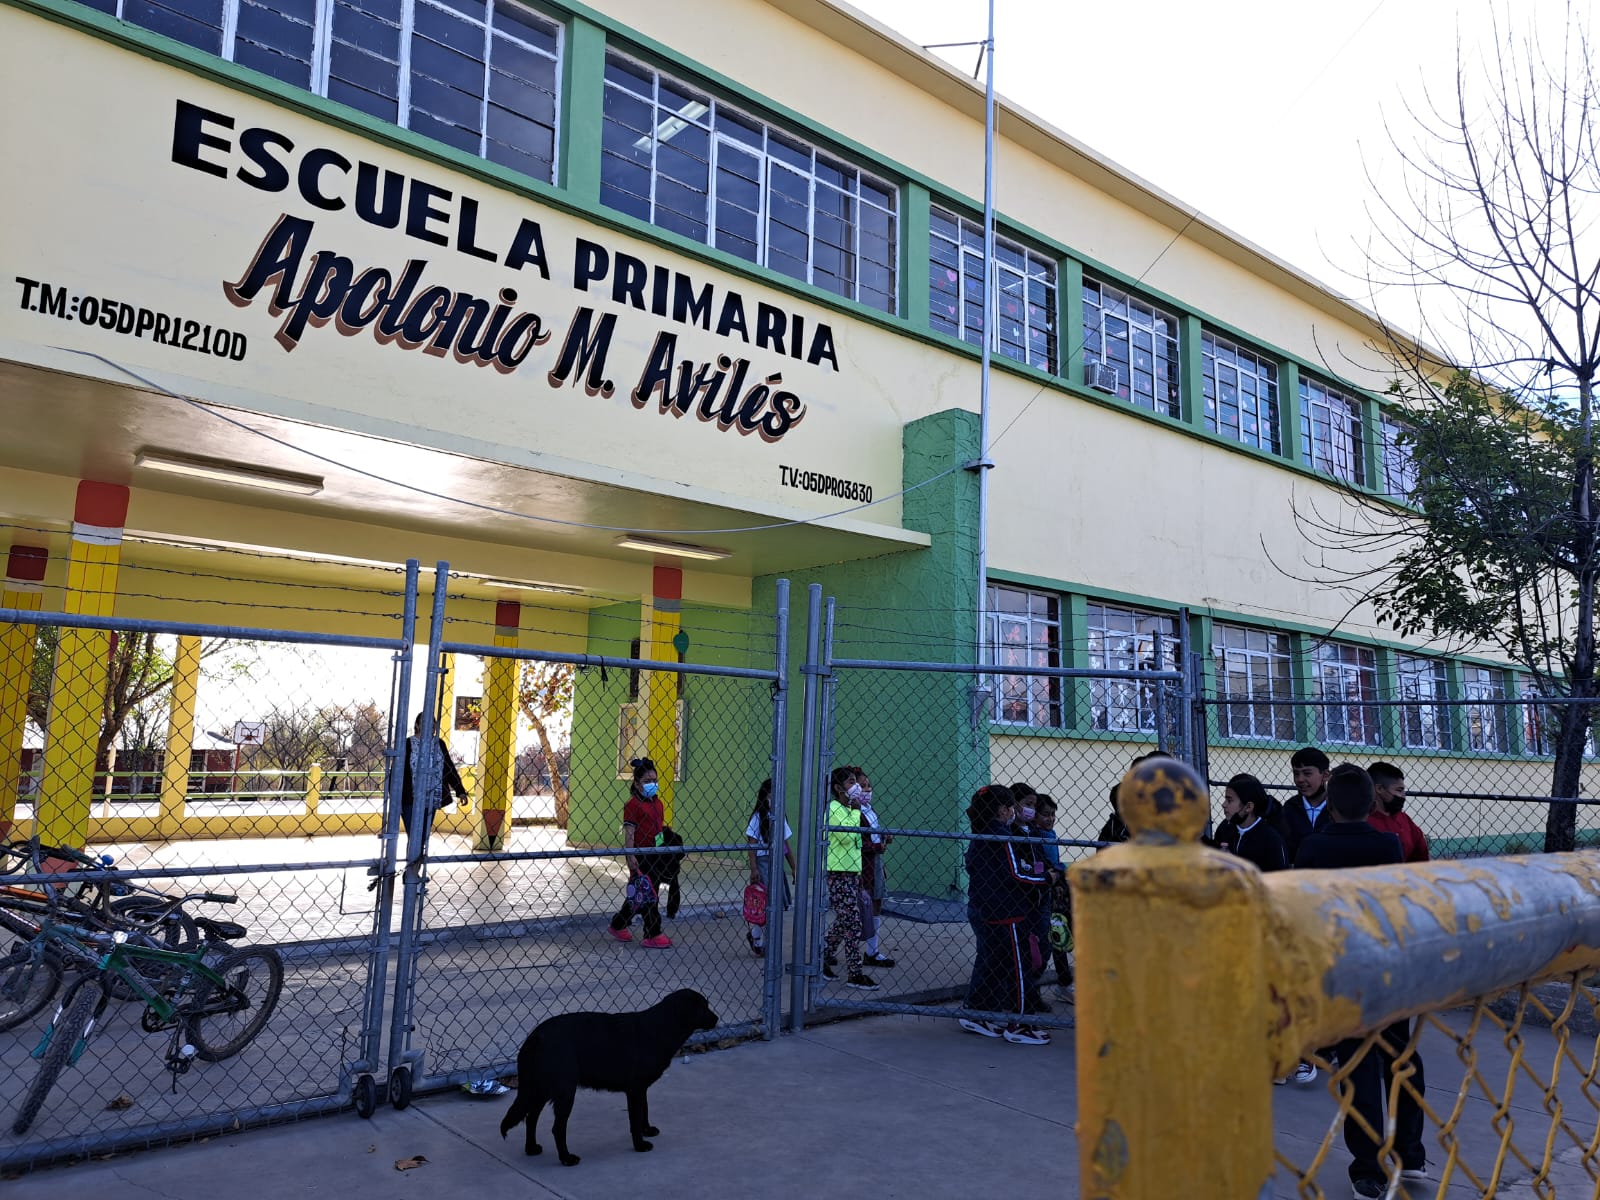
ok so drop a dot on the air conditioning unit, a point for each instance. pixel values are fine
(1104, 377)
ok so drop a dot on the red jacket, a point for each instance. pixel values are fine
(1413, 842)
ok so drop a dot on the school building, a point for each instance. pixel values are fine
(629, 310)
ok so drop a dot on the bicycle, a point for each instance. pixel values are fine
(213, 1011)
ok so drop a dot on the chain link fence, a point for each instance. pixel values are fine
(1477, 770)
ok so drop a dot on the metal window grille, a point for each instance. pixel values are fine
(1256, 682)
(1024, 283)
(1125, 639)
(1240, 388)
(1025, 631)
(1330, 431)
(1423, 682)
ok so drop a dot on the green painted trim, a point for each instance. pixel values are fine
(1191, 372)
(1458, 712)
(1144, 737)
(583, 83)
(915, 252)
(1043, 583)
(1372, 468)
(1302, 673)
(1388, 689)
(1076, 709)
(1516, 724)
(1289, 416)
(1069, 323)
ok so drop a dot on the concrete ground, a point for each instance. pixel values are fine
(882, 1106)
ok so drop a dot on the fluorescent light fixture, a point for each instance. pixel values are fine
(521, 585)
(674, 125)
(220, 471)
(635, 541)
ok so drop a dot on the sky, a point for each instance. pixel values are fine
(1266, 115)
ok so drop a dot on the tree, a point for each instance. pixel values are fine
(1494, 234)
(138, 675)
(544, 694)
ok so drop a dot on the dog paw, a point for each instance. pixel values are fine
(641, 1146)
(651, 1131)
(570, 1160)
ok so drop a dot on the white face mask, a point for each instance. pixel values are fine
(866, 797)
(1026, 814)
(853, 792)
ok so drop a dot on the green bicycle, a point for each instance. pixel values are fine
(214, 1010)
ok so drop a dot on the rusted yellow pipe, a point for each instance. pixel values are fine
(1174, 1080)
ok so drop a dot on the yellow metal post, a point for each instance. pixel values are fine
(497, 745)
(180, 736)
(24, 589)
(313, 789)
(1174, 1073)
(663, 617)
(77, 696)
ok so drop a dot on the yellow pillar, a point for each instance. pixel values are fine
(24, 589)
(77, 695)
(447, 701)
(497, 743)
(313, 789)
(658, 690)
(1171, 986)
(180, 736)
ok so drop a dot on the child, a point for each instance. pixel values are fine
(1060, 899)
(1002, 897)
(758, 833)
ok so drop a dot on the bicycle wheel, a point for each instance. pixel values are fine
(170, 928)
(27, 984)
(67, 1031)
(228, 1019)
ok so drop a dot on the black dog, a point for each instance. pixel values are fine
(608, 1052)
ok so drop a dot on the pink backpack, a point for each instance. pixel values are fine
(755, 904)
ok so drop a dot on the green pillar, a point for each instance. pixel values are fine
(1069, 336)
(1305, 720)
(1191, 396)
(914, 254)
(582, 108)
(1289, 411)
(1371, 446)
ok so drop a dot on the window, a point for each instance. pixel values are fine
(681, 159)
(1399, 464)
(1255, 683)
(1486, 723)
(1330, 431)
(1344, 681)
(479, 75)
(1130, 348)
(1424, 685)
(1241, 392)
(1025, 282)
(1025, 630)
(1124, 639)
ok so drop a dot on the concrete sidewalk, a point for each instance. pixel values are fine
(883, 1106)
(889, 1106)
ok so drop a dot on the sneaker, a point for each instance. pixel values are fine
(660, 942)
(1305, 1073)
(865, 983)
(1414, 1172)
(830, 971)
(756, 947)
(1368, 1189)
(877, 960)
(981, 1028)
(622, 935)
(1067, 994)
(1026, 1035)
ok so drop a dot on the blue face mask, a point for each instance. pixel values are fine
(648, 790)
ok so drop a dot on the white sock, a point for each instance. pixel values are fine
(872, 942)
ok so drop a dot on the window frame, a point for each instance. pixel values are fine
(1394, 457)
(1328, 457)
(1478, 684)
(1094, 343)
(1047, 276)
(1267, 408)
(732, 128)
(1035, 692)
(1130, 696)
(325, 36)
(1272, 664)
(1423, 702)
(1350, 664)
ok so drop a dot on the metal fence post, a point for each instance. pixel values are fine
(378, 961)
(1171, 949)
(403, 1060)
(801, 960)
(772, 967)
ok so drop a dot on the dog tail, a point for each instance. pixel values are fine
(517, 1114)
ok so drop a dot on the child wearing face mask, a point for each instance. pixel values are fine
(1036, 929)
(642, 819)
(844, 881)
(874, 880)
